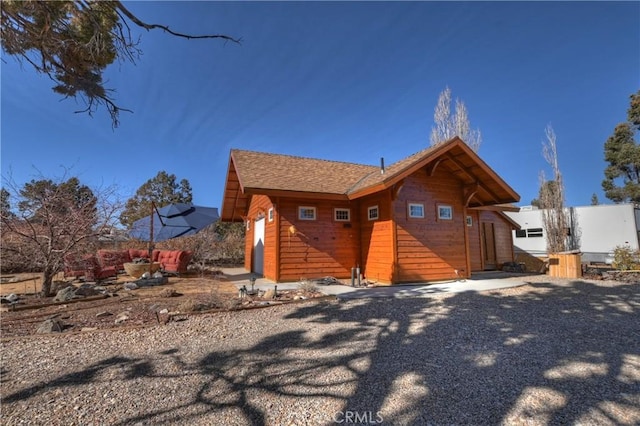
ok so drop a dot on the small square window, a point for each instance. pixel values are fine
(270, 214)
(469, 221)
(445, 212)
(372, 213)
(342, 215)
(307, 213)
(416, 210)
(521, 233)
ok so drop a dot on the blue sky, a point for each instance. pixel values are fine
(348, 81)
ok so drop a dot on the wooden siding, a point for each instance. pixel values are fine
(259, 206)
(475, 249)
(377, 239)
(429, 248)
(502, 237)
(317, 248)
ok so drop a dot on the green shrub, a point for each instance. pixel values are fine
(625, 258)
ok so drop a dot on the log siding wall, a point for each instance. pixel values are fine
(320, 247)
(377, 239)
(259, 206)
(395, 248)
(430, 248)
(475, 248)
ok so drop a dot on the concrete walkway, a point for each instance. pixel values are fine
(478, 282)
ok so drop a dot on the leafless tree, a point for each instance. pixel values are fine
(447, 126)
(49, 220)
(554, 218)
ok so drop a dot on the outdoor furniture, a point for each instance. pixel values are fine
(136, 270)
(87, 267)
(174, 261)
(74, 267)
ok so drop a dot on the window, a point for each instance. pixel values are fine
(342, 215)
(534, 232)
(469, 221)
(270, 214)
(445, 212)
(248, 224)
(372, 213)
(416, 210)
(521, 233)
(306, 213)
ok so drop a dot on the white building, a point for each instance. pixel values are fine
(597, 230)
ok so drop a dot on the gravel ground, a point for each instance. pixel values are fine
(551, 352)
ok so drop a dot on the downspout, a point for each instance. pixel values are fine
(277, 242)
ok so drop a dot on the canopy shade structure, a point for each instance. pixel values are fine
(173, 221)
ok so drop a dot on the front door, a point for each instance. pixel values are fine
(489, 245)
(258, 247)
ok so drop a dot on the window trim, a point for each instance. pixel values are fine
(440, 207)
(270, 214)
(409, 213)
(343, 210)
(371, 209)
(308, 208)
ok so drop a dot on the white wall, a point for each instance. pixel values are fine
(600, 229)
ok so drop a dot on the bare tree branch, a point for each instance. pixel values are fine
(165, 28)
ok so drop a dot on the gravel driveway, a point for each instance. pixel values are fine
(544, 353)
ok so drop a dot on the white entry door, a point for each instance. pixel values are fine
(258, 247)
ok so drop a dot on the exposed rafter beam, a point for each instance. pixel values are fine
(469, 191)
(473, 177)
(395, 189)
(431, 167)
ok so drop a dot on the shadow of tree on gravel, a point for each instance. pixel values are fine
(550, 355)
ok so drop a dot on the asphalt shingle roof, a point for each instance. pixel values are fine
(261, 170)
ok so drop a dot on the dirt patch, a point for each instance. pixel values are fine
(116, 307)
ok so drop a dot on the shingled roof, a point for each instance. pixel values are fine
(253, 172)
(259, 170)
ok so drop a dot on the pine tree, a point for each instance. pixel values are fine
(161, 190)
(622, 175)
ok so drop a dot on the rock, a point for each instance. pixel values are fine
(122, 318)
(12, 298)
(130, 286)
(65, 294)
(298, 297)
(157, 274)
(50, 326)
(57, 285)
(86, 290)
(164, 311)
(88, 328)
(147, 282)
(103, 314)
(269, 294)
(514, 267)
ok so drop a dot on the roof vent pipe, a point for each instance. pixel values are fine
(381, 165)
